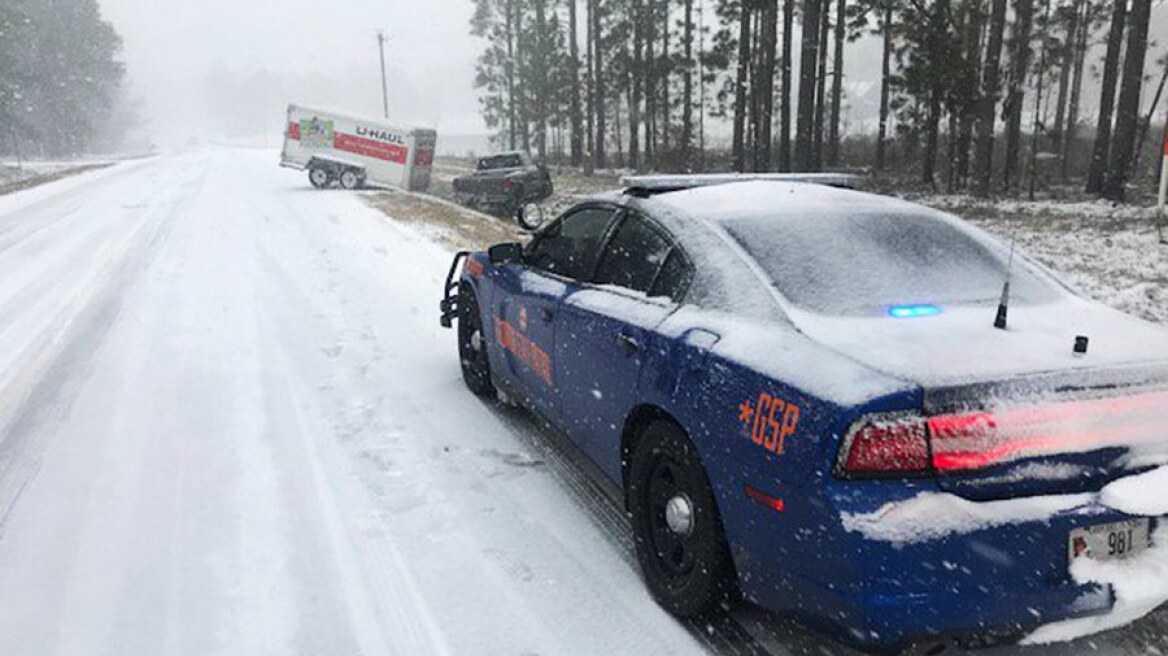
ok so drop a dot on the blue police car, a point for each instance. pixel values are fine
(851, 409)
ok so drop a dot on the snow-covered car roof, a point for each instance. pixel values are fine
(767, 199)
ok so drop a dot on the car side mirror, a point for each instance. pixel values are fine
(505, 253)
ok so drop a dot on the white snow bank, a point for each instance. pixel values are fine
(932, 515)
(1144, 494)
(1140, 585)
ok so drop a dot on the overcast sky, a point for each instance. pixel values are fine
(213, 68)
(317, 52)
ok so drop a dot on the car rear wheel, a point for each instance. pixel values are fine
(319, 177)
(472, 344)
(350, 179)
(678, 533)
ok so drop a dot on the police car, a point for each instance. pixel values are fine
(855, 410)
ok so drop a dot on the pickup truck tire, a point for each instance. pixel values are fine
(350, 179)
(319, 177)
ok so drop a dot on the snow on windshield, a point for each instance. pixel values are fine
(856, 261)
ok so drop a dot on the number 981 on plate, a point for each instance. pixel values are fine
(1113, 541)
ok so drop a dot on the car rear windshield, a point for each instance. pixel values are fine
(866, 262)
(510, 161)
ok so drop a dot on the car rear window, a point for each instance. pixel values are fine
(501, 162)
(865, 262)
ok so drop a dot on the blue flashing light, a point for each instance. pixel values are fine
(913, 311)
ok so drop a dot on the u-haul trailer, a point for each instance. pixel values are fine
(353, 152)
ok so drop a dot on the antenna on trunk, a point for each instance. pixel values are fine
(1004, 304)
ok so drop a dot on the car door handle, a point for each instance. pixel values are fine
(628, 343)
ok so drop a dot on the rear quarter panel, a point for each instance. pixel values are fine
(716, 395)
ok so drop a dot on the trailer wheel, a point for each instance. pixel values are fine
(350, 179)
(319, 177)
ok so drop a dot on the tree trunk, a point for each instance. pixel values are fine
(1015, 95)
(1032, 174)
(1146, 124)
(650, 81)
(687, 91)
(984, 159)
(738, 142)
(937, 35)
(540, 78)
(1066, 63)
(837, 89)
(766, 83)
(665, 108)
(1127, 112)
(785, 98)
(1072, 125)
(577, 143)
(598, 96)
(808, 56)
(885, 88)
(1097, 174)
(637, 73)
(590, 113)
(509, 29)
(821, 86)
(967, 106)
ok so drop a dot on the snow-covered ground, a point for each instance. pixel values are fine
(230, 424)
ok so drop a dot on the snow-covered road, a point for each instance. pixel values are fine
(230, 423)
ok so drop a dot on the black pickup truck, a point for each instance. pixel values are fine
(504, 183)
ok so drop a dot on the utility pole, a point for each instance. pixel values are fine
(20, 160)
(384, 89)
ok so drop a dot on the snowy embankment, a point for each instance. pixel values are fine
(1109, 252)
(16, 177)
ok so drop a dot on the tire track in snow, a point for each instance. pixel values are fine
(45, 381)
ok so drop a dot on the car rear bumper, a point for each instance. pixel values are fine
(968, 618)
(995, 584)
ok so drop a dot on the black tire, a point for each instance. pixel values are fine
(350, 179)
(320, 177)
(688, 572)
(472, 345)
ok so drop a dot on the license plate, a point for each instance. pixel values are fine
(1110, 541)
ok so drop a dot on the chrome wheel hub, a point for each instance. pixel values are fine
(679, 515)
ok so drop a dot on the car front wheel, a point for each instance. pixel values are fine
(472, 344)
(678, 533)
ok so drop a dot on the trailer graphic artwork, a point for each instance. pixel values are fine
(316, 133)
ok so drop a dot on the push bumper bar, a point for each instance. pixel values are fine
(449, 305)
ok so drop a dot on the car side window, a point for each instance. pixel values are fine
(634, 256)
(674, 279)
(571, 246)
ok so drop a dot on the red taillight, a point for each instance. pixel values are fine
(983, 439)
(909, 443)
(507, 184)
(886, 445)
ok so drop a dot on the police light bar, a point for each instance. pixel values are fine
(656, 184)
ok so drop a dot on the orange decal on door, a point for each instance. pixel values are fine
(528, 353)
